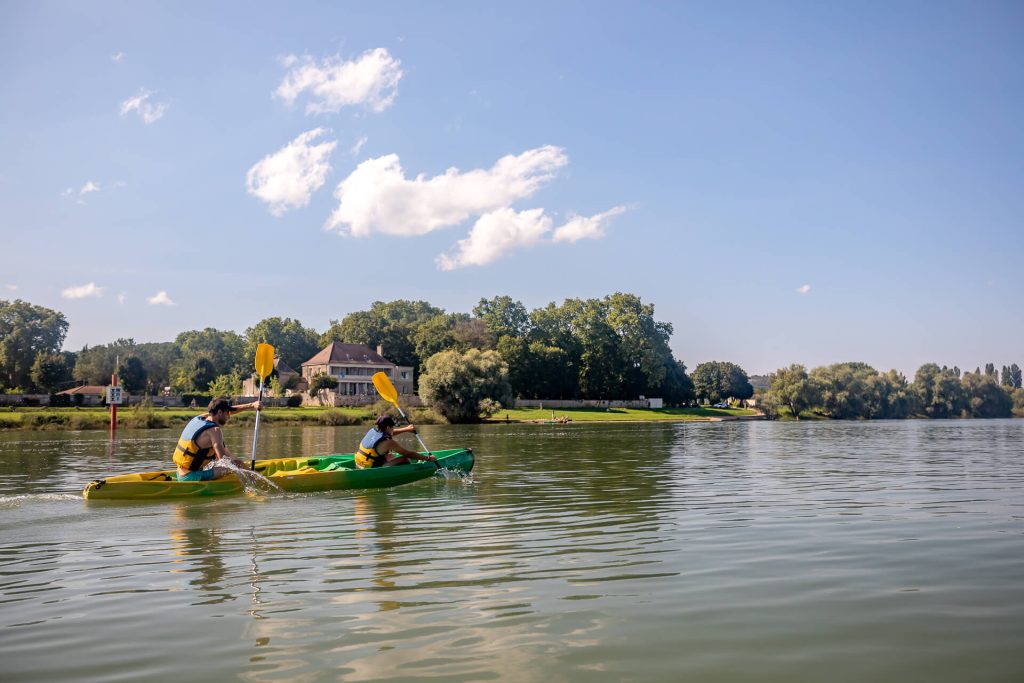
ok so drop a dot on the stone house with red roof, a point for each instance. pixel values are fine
(354, 365)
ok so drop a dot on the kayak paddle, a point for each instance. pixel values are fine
(264, 366)
(387, 392)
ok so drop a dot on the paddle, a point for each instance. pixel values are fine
(264, 366)
(387, 392)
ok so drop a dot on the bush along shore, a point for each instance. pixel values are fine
(148, 417)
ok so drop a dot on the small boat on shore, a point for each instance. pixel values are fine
(318, 473)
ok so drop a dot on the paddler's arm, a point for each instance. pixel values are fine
(413, 455)
(255, 405)
(220, 448)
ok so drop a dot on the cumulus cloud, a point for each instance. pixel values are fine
(586, 227)
(122, 297)
(160, 299)
(148, 111)
(496, 234)
(288, 177)
(803, 289)
(117, 57)
(370, 80)
(378, 197)
(89, 186)
(82, 291)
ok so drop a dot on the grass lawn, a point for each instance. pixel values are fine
(158, 417)
(617, 414)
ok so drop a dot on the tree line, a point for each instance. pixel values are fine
(607, 348)
(858, 391)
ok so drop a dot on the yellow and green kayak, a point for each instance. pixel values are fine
(319, 473)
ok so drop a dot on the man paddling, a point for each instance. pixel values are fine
(375, 450)
(201, 441)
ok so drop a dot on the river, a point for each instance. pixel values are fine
(734, 551)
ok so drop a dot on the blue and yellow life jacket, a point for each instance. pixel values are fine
(188, 455)
(367, 455)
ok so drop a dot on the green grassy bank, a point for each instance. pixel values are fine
(160, 418)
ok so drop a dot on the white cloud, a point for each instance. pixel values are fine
(122, 297)
(82, 292)
(89, 186)
(377, 197)
(161, 299)
(12, 288)
(586, 227)
(358, 147)
(287, 178)
(148, 111)
(370, 80)
(117, 57)
(803, 289)
(497, 233)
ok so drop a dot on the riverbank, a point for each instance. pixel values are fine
(163, 418)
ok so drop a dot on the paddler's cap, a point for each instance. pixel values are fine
(385, 421)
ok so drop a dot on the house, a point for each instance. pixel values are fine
(91, 395)
(354, 365)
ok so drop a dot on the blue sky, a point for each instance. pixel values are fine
(786, 182)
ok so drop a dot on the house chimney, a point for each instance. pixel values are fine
(380, 350)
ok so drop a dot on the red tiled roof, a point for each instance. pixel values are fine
(358, 354)
(89, 390)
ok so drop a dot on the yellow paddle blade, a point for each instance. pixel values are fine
(385, 388)
(264, 360)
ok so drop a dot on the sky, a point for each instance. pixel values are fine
(786, 182)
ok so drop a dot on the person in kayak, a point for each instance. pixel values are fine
(376, 448)
(201, 441)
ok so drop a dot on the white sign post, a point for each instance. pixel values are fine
(114, 396)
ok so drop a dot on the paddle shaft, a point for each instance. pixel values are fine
(256, 435)
(400, 412)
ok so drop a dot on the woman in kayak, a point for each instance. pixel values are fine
(201, 441)
(376, 447)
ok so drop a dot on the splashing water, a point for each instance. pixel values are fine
(254, 482)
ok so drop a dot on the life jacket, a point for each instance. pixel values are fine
(188, 454)
(367, 455)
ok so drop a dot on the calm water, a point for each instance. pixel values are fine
(888, 551)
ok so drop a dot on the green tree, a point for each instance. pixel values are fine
(717, 380)
(320, 383)
(847, 390)
(503, 316)
(26, 331)
(456, 384)
(50, 372)
(225, 350)
(194, 375)
(391, 324)
(96, 364)
(292, 342)
(984, 396)
(229, 385)
(792, 387)
(158, 358)
(131, 374)
(938, 391)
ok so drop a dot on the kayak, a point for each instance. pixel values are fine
(300, 475)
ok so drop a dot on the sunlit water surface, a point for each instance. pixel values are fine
(885, 551)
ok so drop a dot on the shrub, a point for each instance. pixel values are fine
(294, 401)
(60, 401)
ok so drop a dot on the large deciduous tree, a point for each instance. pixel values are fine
(51, 372)
(460, 385)
(717, 380)
(939, 391)
(792, 387)
(984, 397)
(292, 342)
(391, 324)
(26, 330)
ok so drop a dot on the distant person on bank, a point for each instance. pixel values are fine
(376, 448)
(202, 441)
